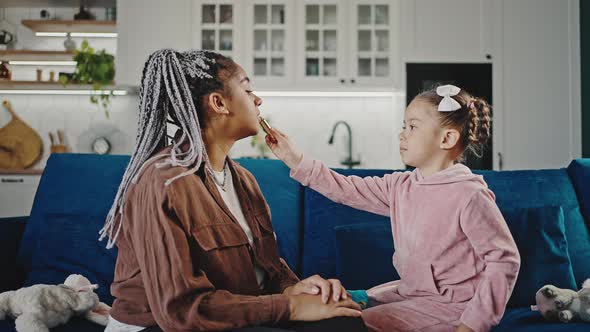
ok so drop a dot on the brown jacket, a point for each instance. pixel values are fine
(184, 262)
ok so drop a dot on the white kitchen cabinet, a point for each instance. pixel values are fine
(217, 26)
(351, 44)
(269, 42)
(17, 193)
(281, 43)
(147, 25)
(375, 39)
(322, 46)
(306, 44)
(537, 90)
(447, 30)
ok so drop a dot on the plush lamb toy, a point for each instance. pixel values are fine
(41, 307)
(564, 304)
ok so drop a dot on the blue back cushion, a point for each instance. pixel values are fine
(534, 188)
(69, 245)
(363, 254)
(539, 234)
(71, 204)
(284, 196)
(321, 215)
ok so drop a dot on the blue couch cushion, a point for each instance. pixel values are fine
(70, 245)
(539, 234)
(534, 188)
(579, 172)
(72, 184)
(61, 237)
(525, 320)
(363, 254)
(321, 215)
(284, 197)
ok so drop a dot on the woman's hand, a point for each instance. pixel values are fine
(283, 148)
(311, 308)
(463, 328)
(316, 285)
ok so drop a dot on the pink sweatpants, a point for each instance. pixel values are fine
(393, 312)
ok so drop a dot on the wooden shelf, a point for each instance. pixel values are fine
(46, 85)
(71, 26)
(6, 84)
(29, 171)
(34, 55)
(59, 4)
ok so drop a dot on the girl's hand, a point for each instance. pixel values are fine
(316, 285)
(463, 328)
(283, 148)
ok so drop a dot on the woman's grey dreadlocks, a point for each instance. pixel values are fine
(172, 86)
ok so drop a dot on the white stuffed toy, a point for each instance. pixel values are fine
(39, 308)
(564, 304)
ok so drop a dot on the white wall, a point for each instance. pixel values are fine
(540, 83)
(73, 114)
(375, 124)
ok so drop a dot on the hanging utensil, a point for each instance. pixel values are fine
(20, 145)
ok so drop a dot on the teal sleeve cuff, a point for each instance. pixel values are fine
(360, 297)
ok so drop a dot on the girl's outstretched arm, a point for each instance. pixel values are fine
(372, 194)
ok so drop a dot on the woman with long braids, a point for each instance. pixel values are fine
(196, 245)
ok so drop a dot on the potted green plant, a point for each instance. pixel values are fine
(96, 69)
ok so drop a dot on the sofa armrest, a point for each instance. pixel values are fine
(11, 232)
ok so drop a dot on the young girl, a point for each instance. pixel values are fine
(456, 258)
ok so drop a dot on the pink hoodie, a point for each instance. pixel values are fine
(451, 242)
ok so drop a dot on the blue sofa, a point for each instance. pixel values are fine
(315, 235)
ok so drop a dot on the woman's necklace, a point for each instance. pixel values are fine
(214, 176)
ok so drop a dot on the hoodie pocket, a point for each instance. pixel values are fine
(429, 281)
(421, 279)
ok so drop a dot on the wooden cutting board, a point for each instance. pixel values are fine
(20, 145)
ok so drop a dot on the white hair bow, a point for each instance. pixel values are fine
(448, 104)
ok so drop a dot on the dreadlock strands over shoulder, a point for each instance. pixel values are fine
(171, 85)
